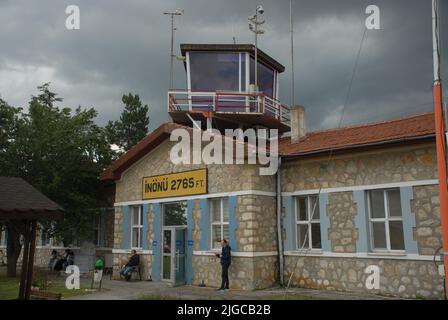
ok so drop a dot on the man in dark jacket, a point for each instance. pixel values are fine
(226, 259)
(133, 262)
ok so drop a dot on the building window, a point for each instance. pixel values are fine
(97, 230)
(219, 211)
(137, 226)
(3, 236)
(386, 221)
(308, 223)
(45, 239)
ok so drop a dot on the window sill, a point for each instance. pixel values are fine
(386, 253)
(309, 251)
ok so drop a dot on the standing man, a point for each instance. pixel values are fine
(225, 264)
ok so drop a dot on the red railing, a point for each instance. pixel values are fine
(228, 102)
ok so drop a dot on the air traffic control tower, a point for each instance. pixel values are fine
(222, 91)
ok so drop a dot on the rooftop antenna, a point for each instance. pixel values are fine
(291, 29)
(253, 26)
(177, 12)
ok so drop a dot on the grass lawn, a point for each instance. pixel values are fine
(9, 287)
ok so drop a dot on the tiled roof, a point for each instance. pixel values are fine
(400, 130)
(20, 200)
(395, 131)
(143, 147)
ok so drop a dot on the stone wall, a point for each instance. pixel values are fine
(256, 217)
(245, 273)
(409, 279)
(428, 232)
(342, 212)
(221, 178)
(118, 229)
(392, 165)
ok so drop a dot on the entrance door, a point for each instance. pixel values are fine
(173, 257)
(174, 242)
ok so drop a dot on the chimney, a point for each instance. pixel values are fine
(298, 123)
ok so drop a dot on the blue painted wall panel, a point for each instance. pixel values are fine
(324, 222)
(289, 225)
(189, 256)
(361, 221)
(233, 223)
(157, 241)
(406, 195)
(204, 243)
(145, 227)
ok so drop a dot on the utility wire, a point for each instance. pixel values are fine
(347, 98)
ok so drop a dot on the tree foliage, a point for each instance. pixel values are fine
(132, 125)
(60, 152)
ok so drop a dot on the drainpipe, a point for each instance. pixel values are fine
(279, 222)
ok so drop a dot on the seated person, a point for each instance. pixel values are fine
(133, 262)
(99, 264)
(69, 259)
(2, 258)
(55, 256)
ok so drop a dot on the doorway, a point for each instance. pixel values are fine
(174, 242)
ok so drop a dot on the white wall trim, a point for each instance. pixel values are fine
(237, 253)
(56, 247)
(128, 251)
(363, 255)
(365, 187)
(200, 196)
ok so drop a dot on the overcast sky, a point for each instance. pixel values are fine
(123, 46)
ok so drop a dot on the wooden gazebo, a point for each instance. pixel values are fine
(21, 206)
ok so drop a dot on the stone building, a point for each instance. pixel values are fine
(354, 203)
(99, 244)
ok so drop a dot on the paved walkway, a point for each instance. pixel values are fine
(122, 290)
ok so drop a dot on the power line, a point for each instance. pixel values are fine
(347, 97)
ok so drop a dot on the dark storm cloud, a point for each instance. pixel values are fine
(123, 47)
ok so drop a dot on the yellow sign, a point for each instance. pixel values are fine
(185, 183)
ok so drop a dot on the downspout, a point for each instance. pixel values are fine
(279, 222)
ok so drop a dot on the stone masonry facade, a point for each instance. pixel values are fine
(255, 220)
(399, 276)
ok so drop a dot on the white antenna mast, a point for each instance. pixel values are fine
(292, 52)
(178, 12)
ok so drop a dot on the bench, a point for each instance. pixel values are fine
(137, 270)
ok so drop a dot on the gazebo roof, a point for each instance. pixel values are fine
(21, 201)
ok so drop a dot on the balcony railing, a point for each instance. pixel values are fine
(228, 102)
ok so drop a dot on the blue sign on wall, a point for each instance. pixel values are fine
(190, 243)
(154, 243)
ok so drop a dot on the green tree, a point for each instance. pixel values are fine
(132, 125)
(62, 153)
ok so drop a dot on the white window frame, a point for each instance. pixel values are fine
(221, 222)
(307, 222)
(384, 220)
(138, 225)
(3, 236)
